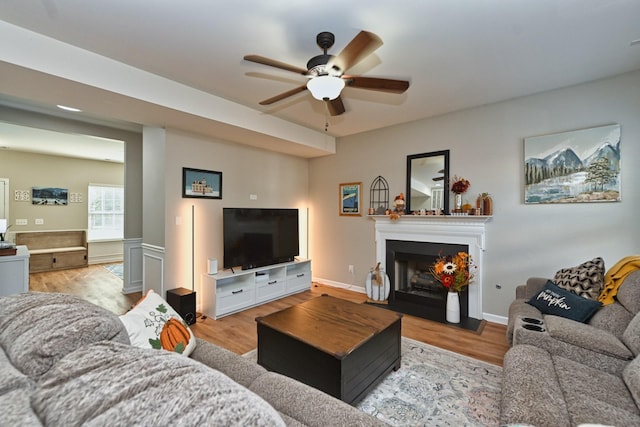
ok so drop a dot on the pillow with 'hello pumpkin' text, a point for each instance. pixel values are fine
(556, 301)
(153, 323)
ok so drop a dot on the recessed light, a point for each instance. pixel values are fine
(64, 107)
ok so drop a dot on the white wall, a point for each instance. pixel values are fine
(486, 146)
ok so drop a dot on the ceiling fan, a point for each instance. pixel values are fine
(326, 72)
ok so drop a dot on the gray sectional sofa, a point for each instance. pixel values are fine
(65, 361)
(562, 372)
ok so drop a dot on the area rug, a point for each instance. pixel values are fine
(116, 269)
(435, 387)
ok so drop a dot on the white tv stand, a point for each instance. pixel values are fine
(227, 292)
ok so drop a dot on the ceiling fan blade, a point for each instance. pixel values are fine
(375, 83)
(284, 95)
(273, 63)
(335, 106)
(439, 178)
(360, 47)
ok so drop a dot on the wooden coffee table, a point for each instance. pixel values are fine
(334, 345)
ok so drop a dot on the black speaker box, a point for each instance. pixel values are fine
(184, 302)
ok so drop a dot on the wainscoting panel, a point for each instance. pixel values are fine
(153, 268)
(132, 266)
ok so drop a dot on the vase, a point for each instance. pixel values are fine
(487, 205)
(453, 307)
(458, 199)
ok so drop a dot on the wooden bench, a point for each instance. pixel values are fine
(54, 250)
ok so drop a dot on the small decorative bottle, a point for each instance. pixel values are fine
(487, 204)
(479, 204)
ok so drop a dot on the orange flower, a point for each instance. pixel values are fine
(447, 280)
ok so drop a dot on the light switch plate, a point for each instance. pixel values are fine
(22, 222)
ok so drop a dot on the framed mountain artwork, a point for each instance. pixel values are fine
(581, 166)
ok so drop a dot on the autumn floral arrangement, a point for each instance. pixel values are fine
(454, 272)
(460, 185)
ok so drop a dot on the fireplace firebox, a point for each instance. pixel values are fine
(413, 289)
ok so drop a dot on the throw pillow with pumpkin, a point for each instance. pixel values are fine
(153, 323)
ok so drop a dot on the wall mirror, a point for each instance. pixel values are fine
(428, 181)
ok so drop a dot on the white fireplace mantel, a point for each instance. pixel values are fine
(462, 230)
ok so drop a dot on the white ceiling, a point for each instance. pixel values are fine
(457, 54)
(21, 138)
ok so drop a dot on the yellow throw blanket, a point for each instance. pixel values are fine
(616, 275)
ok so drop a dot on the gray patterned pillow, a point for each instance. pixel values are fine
(586, 279)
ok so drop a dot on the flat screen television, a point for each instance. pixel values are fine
(255, 237)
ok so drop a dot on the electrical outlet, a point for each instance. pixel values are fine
(253, 197)
(351, 269)
(39, 221)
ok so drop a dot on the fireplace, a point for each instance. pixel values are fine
(408, 246)
(413, 289)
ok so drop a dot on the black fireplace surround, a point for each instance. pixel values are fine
(413, 290)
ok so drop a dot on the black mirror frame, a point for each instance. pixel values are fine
(446, 195)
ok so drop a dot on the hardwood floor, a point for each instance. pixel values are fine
(94, 283)
(237, 332)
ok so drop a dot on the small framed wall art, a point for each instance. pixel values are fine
(201, 184)
(349, 198)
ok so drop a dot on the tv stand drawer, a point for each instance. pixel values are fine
(269, 290)
(234, 298)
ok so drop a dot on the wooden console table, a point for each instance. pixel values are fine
(334, 345)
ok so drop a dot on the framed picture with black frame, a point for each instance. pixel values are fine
(201, 184)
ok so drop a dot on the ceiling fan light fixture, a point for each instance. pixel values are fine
(325, 87)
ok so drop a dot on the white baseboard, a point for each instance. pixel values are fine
(131, 289)
(502, 320)
(106, 259)
(354, 288)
